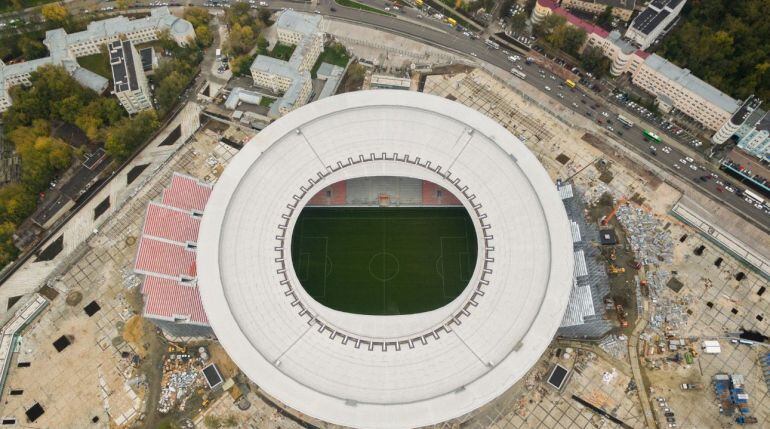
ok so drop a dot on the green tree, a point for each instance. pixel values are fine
(31, 49)
(42, 156)
(518, 22)
(16, 203)
(242, 39)
(604, 19)
(8, 251)
(549, 24)
(128, 134)
(264, 16)
(240, 65)
(169, 89)
(593, 60)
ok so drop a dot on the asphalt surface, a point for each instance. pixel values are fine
(416, 24)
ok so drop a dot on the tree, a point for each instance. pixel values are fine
(31, 49)
(124, 4)
(169, 89)
(549, 24)
(242, 39)
(241, 64)
(16, 203)
(128, 134)
(197, 15)
(42, 156)
(518, 22)
(593, 60)
(264, 16)
(203, 35)
(604, 19)
(8, 251)
(56, 13)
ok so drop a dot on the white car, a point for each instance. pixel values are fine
(605, 114)
(693, 167)
(473, 54)
(666, 149)
(688, 159)
(560, 95)
(677, 166)
(263, 3)
(511, 59)
(683, 161)
(547, 88)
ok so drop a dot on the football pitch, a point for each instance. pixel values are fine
(384, 261)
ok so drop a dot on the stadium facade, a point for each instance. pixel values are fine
(390, 371)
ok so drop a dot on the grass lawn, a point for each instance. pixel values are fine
(97, 63)
(357, 5)
(384, 261)
(282, 52)
(266, 101)
(334, 54)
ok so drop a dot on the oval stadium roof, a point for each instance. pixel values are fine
(385, 371)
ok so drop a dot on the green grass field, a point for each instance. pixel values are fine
(384, 261)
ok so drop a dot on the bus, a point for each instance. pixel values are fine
(451, 21)
(492, 44)
(649, 135)
(570, 83)
(518, 74)
(626, 123)
(754, 196)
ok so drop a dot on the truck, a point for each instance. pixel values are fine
(691, 386)
(219, 54)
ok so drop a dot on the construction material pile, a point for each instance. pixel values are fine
(651, 244)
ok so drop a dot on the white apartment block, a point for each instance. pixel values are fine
(291, 78)
(650, 24)
(690, 95)
(65, 48)
(625, 57)
(622, 9)
(130, 82)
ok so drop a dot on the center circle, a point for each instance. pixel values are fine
(383, 266)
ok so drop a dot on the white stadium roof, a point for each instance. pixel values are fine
(385, 371)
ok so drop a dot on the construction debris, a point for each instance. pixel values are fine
(651, 244)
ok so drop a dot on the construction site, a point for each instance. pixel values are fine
(673, 332)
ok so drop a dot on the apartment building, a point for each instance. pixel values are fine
(291, 78)
(64, 49)
(622, 9)
(654, 20)
(130, 83)
(690, 95)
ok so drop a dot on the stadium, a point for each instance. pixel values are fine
(385, 259)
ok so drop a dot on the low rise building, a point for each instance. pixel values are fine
(291, 78)
(622, 9)
(130, 82)
(64, 49)
(653, 21)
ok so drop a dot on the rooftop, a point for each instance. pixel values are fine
(686, 79)
(654, 14)
(122, 64)
(304, 23)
